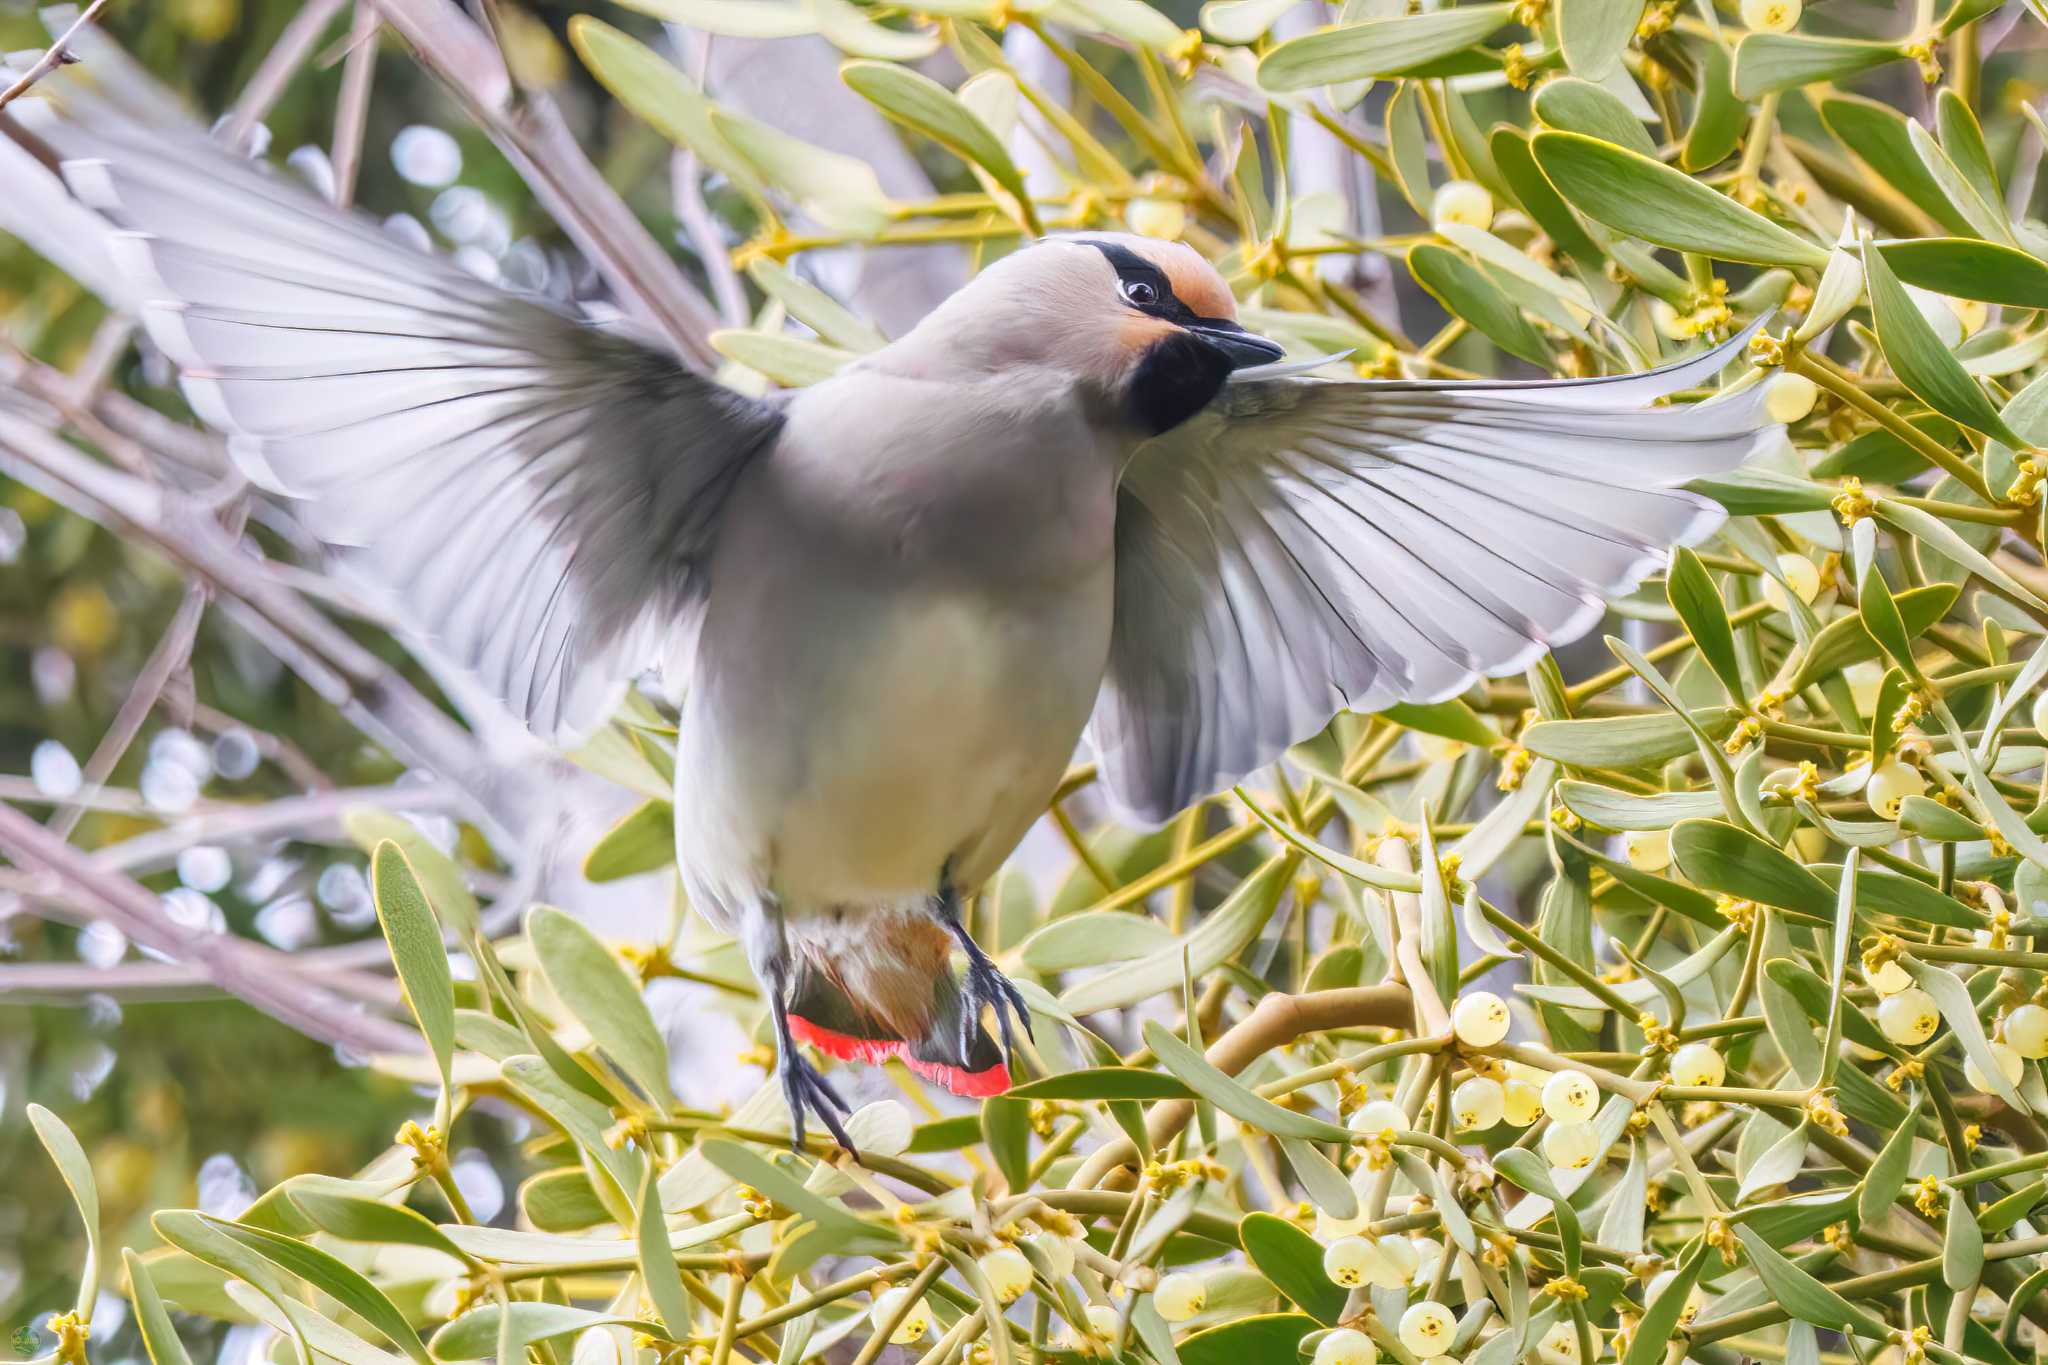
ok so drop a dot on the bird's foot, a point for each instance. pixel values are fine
(986, 985)
(804, 1088)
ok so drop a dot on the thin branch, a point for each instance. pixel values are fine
(279, 65)
(352, 107)
(53, 57)
(246, 970)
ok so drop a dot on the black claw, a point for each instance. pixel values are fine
(805, 1089)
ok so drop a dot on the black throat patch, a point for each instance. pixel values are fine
(1175, 379)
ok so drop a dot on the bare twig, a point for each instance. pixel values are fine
(55, 56)
(246, 970)
(352, 108)
(285, 57)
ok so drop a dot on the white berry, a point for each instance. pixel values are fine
(1698, 1064)
(1395, 1262)
(1647, 850)
(1799, 573)
(1889, 979)
(1480, 1019)
(1891, 782)
(2010, 1065)
(1349, 1261)
(1571, 1097)
(1166, 219)
(1427, 1328)
(1381, 1119)
(1009, 1274)
(1429, 1254)
(1787, 398)
(1521, 1101)
(1909, 1018)
(2040, 711)
(1102, 1321)
(1560, 1345)
(2026, 1028)
(915, 1323)
(1346, 1346)
(1180, 1296)
(1463, 203)
(1771, 16)
(1573, 1146)
(1477, 1103)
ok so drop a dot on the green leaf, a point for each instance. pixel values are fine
(604, 997)
(1879, 135)
(1262, 1337)
(1231, 1097)
(1962, 1247)
(1886, 1178)
(352, 1218)
(1763, 492)
(1922, 363)
(923, 105)
(475, 1335)
(1962, 139)
(659, 93)
(1647, 199)
(1844, 641)
(1803, 1296)
(1377, 47)
(1451, 719)
(1717, 115)
(1579, 106)
(338, 1280)
(440, 877)
(1952, 998)
(1221, 935)
(1093, 939)
(585, 1121)
(1648, 1342)
(1528, 1170)
(840, 191)
(1538, 197)
(834, 323)
(1467, 294)
(76, 1171)
(1320, 1179)
(792, 361)
(1929, 819)
(1720, 857)
(643, 841)
(1242, 21)
(1106, 1083)
(1625, 741)
(658, 1274)
(1769, 62)
(1293, 1261)
(1006, 1129)
(1965, 268)
(1697, 601)
(1838, 967)
(1594, 33)
(1612, 809)
(159, 1337)
(1908, 898)
(414, 936)
(1881, 618)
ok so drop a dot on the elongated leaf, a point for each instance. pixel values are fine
(1293, 1261)
(159, 1337)
(414, 936)
(643, 841)
(1878, 134)
(1650, 200)
(1378, 47)
(475, 1335)
(1594, 34)
(1881, 1184)
(1218, 938)
(335, 1278)
(1952, 998)
(1803, 1296)
(1528, 1170)
(1717, 114)
(1735, 862)
(440, 876)
(1698, 604)
(76, 1171)
(920, 103)
(1466, 293)
(658, 1273)
(1921, 361)
(1648, 1342)
(1768, 62)
(1624, 741)
(1964, 268)
(1233, 1098)
(1324, 1184)
(1579, 106)
(603, 996)
(354, 1219)
(1962, 1247)
(1106, 1083)
(1263, 1336)
(1609, 808)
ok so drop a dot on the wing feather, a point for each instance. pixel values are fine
(538, 495)
(1304, 546)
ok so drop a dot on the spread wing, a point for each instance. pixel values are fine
(1303, 547)
(538, 495)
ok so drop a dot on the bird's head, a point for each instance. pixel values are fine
(1147, 323)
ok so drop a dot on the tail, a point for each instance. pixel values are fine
(824, 1014)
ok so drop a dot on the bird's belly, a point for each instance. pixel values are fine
(929, 734)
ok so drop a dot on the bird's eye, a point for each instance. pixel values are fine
(1140, 292)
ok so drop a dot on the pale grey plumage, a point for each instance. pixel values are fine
(892, 603)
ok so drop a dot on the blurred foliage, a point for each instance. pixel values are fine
(1763, 894)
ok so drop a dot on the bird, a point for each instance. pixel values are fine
(1078, 498)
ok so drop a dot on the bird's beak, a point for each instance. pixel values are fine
(1244, 349)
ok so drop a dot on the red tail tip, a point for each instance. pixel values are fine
(847, 1048)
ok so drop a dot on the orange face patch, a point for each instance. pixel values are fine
(1196, 284)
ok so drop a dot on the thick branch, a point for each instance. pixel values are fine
(1276, 1020)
